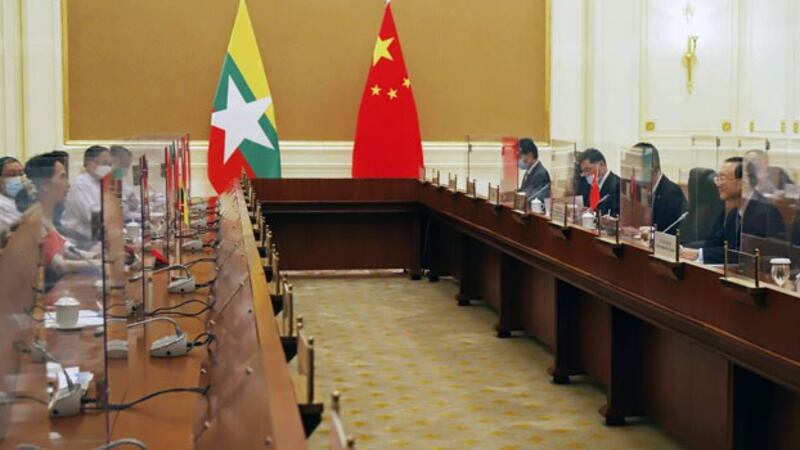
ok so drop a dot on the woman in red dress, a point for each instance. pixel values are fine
(51, 184)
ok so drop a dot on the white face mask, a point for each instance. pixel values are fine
(102, 171)
(13, 185)
(589, 178)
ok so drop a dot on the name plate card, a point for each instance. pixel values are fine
(494, 195)
(452, 183)
(666, 246)
(471, 192)
(558, 213)
(521, 202)
(792, 191)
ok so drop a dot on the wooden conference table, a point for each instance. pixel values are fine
(711, 364)
(250, 403)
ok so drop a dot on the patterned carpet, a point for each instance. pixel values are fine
(417, 372)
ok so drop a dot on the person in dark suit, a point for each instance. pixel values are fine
(765, 179)
(592, 163)
(753, 215)
(536, 181)
(668, 201)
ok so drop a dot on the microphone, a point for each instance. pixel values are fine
(167, 346)
(538, 191)
(71, 249)
(65, 402)
(679, 220)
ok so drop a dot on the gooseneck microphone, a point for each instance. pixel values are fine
(679, 220)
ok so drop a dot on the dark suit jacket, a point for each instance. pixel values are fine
(760, 218)
(610, 188)
(534, 182)
(668, 204)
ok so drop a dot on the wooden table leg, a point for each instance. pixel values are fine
(566, 343)
(415, 264)
(469, 288)
(623, 394)
(510, 281)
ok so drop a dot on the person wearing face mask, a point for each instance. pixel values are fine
(121, 160)
(591, 164)
(10, 185)
(536, 181)
(84, 196)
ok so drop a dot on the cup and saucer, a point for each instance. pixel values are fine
(67, 315)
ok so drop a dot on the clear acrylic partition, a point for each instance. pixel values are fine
(70, 340)
(152, 148)
(156, 188)
(697, 167)
(771, 205)
(120, 296)
(636, 195)
(492, 160)
(697, 177)
(562, 165)
(449, 165)
(23, 382)
(511, 174)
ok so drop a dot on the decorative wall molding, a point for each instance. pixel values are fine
(43, 110)
(603, 89)
(11, 106)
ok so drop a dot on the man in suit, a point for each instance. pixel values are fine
(668, 201)
(592, 163)
(753, 215)
(766, 179)
(536, 181)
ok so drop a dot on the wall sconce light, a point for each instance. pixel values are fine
(690, 56)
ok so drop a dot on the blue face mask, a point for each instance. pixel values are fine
(13, 185)
(522, 165)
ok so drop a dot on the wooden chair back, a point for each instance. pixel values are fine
(339, 440)
(305, 360)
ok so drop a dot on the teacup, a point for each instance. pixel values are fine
(67, 312)
(134, 229)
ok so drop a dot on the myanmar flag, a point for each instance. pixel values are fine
(388, 142)
(244, 134)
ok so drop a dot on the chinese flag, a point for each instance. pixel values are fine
(594, 194)
(388, 143)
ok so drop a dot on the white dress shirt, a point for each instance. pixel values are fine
(83, 198)
(528, 172)
(9, 214)
(131, 205)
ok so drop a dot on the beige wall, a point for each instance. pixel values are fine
(150, 66)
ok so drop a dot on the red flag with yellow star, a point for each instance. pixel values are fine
(388, 143)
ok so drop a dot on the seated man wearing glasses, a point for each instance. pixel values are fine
(753, 215)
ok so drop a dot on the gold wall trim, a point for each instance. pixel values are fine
(548, 49)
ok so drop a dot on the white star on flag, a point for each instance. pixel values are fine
(240, 119)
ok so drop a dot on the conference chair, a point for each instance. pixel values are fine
(303, 380)
(705, 208)
(339, 439)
